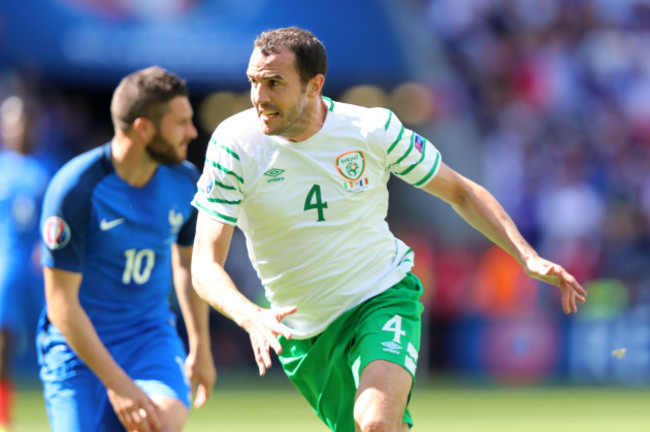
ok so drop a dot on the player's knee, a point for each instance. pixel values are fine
(173, 414)
(375, 422)
(174, 426)
(376, 425)
(171, 429)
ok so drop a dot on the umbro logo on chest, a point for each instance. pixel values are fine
(274, 175)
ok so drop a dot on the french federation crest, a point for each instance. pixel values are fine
(175, 221)
(351, 165)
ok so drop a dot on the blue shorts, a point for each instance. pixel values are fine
(77, 401)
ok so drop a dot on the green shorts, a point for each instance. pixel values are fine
(327, 367)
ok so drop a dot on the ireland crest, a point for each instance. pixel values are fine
(351, 165)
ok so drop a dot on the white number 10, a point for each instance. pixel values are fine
(134, 269)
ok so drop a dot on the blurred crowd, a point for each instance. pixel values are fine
(558, 92)
(63, 123)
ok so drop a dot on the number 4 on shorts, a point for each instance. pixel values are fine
(395, 325)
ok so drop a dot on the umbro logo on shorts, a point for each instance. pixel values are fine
(392, 347)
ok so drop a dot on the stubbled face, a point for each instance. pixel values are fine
(14, 126)
(277, 93)
(174, 133)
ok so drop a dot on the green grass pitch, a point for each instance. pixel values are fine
(272, 405)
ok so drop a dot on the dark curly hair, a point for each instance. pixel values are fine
(311, 58)
(145, 93)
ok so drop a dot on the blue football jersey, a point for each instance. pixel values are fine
(119, 237)
(22, 183)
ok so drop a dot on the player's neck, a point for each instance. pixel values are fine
(315, 120)
(131, 162)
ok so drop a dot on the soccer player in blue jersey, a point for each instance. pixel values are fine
(305, 179)
(22, 183)
(117, 228)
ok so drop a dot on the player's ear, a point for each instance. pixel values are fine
(144, 128)
(315, 85)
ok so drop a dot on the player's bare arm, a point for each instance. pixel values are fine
(212, 283)
(199, 365)
(482, 211)
(131, 404)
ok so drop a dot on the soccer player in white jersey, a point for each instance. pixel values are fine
(305, 178)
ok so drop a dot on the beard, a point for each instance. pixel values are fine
(295, 120)
(161, 150)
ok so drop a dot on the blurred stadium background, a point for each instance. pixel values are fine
(545, 102)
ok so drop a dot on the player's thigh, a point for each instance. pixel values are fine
(389, 328)
(158, 367)
(78, 403)
(386, 353)
(382, 396)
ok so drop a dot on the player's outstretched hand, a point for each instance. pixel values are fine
(263, 330)
(555, 274)
(200, 370)
(134, 408)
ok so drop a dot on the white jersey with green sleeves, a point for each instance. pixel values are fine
(313, 212)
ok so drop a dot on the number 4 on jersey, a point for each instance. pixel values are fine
(315, 201)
